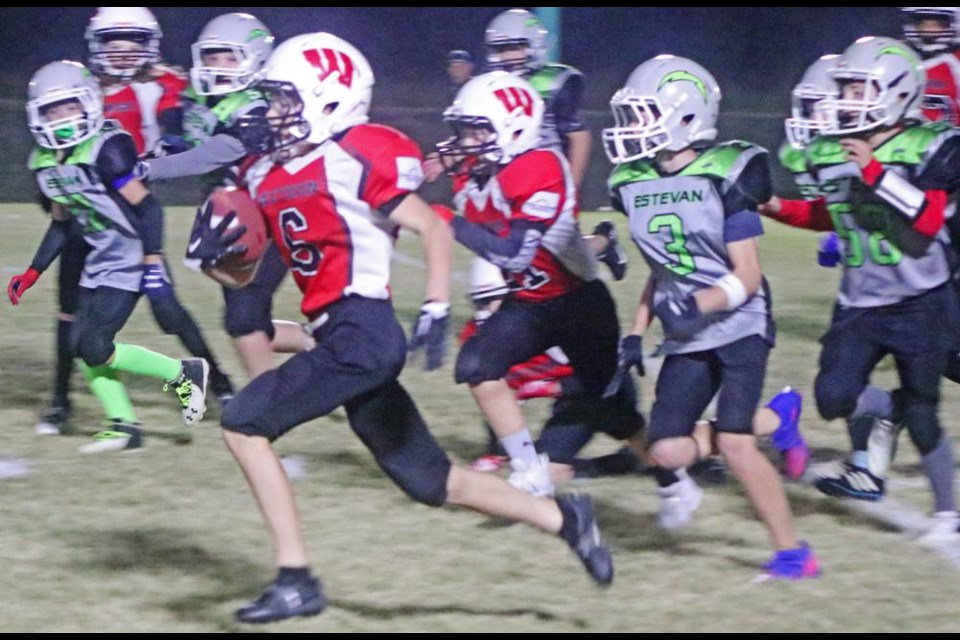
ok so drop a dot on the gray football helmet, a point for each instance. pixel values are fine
(815, 85)
(930, 42)
(53, 85)
(240, 34)
(667, 103)
(516, 27)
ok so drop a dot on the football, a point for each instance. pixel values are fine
(227, 199)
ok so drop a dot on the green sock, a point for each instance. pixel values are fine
(130, 357)
(110, 392)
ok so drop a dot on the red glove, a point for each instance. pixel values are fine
(19, 284)
(445, 213)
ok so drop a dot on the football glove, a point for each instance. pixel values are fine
(211, 245)
(828, 255)
(429, 333)
(680, 316)
(19, 284)
(630, 355)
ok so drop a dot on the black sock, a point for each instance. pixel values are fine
(568, 530)
(664, 477)
(293, 575)
(61, 385)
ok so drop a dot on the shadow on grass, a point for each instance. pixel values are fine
(155, 551)
(377, 612)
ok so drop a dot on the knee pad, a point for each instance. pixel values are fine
(240, 319)
(94, 346)
(921, 423)
(471, 368)
(170, 315)
(424, 482)
(834, 401)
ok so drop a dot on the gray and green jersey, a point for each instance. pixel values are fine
(682, 223)
(885, 260)
(74, 182)
(209, 126)
(561, 88)
(795, 161)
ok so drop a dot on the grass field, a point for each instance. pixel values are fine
(168, 539)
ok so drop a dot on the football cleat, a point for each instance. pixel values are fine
(53, 422)
(191, 389)
(584, 537)
(282, 601)
(120, 436)
(787, 438)
(791, 564)
(853, 482)
(678, 502)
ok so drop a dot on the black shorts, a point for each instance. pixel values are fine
(688, 381)
(250, 308)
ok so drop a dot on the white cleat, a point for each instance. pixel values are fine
(881, 447)
(678, 502)
(535, 478)
(943, 531)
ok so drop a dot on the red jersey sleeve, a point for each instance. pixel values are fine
(173, 84)
(393, 162)
(535, 186)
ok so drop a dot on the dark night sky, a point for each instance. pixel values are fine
(748, 50)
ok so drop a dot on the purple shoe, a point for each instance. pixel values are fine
(792, 564)
(788, 404)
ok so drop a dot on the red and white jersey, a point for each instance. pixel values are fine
(941, 99)
(137, 104)
(536, 186)
(323, 211)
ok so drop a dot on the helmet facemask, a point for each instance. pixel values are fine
(234, 69)
(473, 148)
(806, 122)
(282, 128)
(638, 130)
(863, 105)
(65, 131)
(931, 30)
(123, 53)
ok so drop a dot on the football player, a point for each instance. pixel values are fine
(934, 32)
(335, 191)
(227, 56)
(143, 96)
(888, 180)
(706, 286)
(85, 168)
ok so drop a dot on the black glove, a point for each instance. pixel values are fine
(680, 316)
(429, 333)
(630, 355)
(212, 245)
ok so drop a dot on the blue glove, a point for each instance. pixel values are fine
(630, 355)
(430, 333)
(156, 282)
(828, 255)
(680, 317)
(212, 245)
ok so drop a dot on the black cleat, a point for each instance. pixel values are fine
(54, 420)
(222, 388)
(583, 536)
(614, 257)
(853, 482)
(191, 389)
(282, 601)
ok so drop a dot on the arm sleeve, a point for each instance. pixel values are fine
(51, 245)
(752, 187)
(147, 219)
(806, 214)
(566, 105)
(924, 209)
(171, 121)
(117, 161)
(219, 151)
(513, 253)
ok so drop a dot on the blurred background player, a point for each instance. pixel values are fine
(364, 176)
(227, 56)
(706, 285)
(895, 295)
(460, 68)
(934, 32)
(143, 97)
(85, 168)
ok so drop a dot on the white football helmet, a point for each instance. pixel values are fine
(893, 80)
(486, 282)
(930, 42)
(55, 84)
(815, 85)
(319, 85)
(240, 34)
(516, 27)
(135, 24)
(495, 117)
(668, 103)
